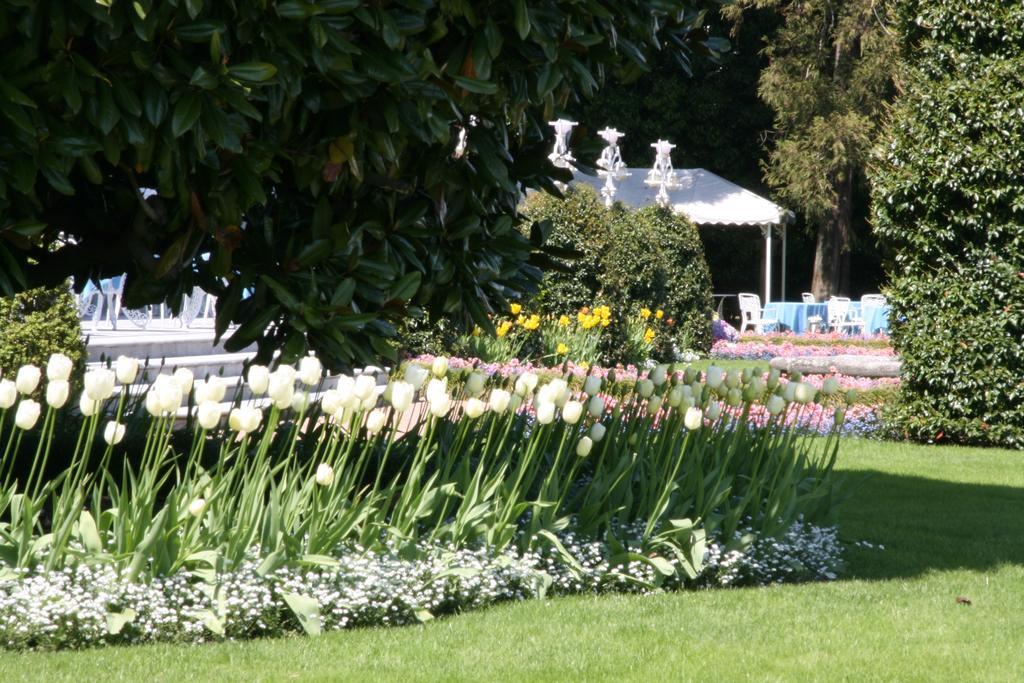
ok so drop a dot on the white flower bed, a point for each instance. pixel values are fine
(86, 606)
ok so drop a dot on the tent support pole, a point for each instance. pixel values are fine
(783, 284)
(767, 264)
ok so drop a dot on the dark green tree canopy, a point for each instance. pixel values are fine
(300, 160)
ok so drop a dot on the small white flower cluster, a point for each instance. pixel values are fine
(85, 606)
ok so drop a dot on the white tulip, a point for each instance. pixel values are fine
(287, 371)
(556, 391)
(645, 388)
(526, 383)
(659, 375)
(499, 400)
(209, 414)
(439, 367)
(654, 405)
(514, 401)
(169, 392)
(346, 392)
(804, 393)
(545, 412)
(113, 432)
(475, 384)
(675, 397)
(153, 406)
(596, 407)
(572, 411)
(27, 379)
(184, 378)
(775, 405)
(597, 432)
(365, 387)
(324, 474)
(201, 390)
(57, 393)
(714, 410)
(789, 392)
(693, 419)
(27, 414)
(402, 394)
(87, 406)
(99, 384)
(280, 389)
(715, 375)
(330, 402)
(375, 421)
(475, 408)
(584, 446)
(592, 385)
(310, 371)
(245, 419)
(416, 375)
(126, 369)
(436, 389)
(300, 401)
(197, 507)
(258, 378)
(216, 387)
(59, 367)
(8, 394)
(440, 405)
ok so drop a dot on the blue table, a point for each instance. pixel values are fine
(792, 315)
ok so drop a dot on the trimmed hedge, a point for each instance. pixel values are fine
(949, 202)
(655, 257)
(37, 323)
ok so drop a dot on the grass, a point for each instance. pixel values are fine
(952, 523)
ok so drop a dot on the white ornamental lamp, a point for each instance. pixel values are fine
(561, 156)
(610, 164)
(662, 174)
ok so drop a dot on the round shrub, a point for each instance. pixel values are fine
(948, 201)
(655, 257)
(579, 223)
(36, 323)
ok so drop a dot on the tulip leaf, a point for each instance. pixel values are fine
(306, 609)
(116, 621)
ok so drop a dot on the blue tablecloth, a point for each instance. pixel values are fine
(792, 315)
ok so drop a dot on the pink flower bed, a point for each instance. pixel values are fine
(765, 351)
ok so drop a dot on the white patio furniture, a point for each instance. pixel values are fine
(807, 298)
(752, 315)
(813, 321)
(839, 314)
(868, 304)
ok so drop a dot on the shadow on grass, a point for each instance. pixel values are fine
(929, 524)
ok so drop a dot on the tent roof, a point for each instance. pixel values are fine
(705, 198)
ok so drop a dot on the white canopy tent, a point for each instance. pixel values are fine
(708, 199)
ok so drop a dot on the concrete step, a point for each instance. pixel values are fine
(153, 344)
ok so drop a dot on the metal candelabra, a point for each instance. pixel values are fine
(662, 175)
(610, 164)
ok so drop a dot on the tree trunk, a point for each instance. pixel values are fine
(832, 252)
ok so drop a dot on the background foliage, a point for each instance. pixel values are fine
(949, 201)
(303, 155)
(36, 323)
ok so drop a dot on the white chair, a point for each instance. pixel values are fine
(870, 302)
(839, 314)
(752, 315)
(807, 298)
(813, 321)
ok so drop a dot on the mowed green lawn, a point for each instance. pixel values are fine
(951, 521)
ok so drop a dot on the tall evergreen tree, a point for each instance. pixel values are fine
(829, 75)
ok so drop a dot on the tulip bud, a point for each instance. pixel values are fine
(584, 447)
(659, 375)
(27, 379)
(402, 394)
(439, 367)
(113, 432)
(545, 412)
(281, 389)
(499, 400)
(258, 378)
(789, 391)
(99, 384)
(804, 393)
(775, 405)
(714, 411)
(851, 396)
(153, 406)
(645, 388)
(416, 376)
(689, 375)
(633, 439)
(596, 407)
(440, 405)
(184, 379)
(572, 411)
(300, 401)
(27, 414)
(840, 416)
(592, 385)
(87, 406)
(365, 387)
(715, 375)
(514, 402)
(654, 405)
(8, 394)
(733, 398)
(375, 421)
(209, 414)
(675, 397)
(57, 393)
(830, 386)
(475, 384)
(126, 369)
(197, 507)
(693, 419)
(475, 408)
(310, 371)
(597, 432)
(324, 474)
(58, 368)
(773, 378)
(526, 383)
